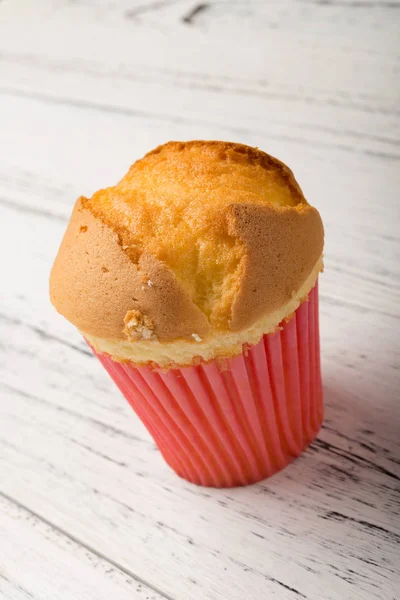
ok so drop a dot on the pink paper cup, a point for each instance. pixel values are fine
(237, 424)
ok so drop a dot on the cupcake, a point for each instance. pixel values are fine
(194, 281)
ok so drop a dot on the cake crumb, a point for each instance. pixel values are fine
(138, 326)
(150, 283)
(196, 337)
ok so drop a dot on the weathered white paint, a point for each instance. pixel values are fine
(87, 507)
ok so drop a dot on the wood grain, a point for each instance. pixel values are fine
(70, 567)
(88, 509)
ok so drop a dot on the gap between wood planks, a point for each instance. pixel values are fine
(136, 113)
(86, 546)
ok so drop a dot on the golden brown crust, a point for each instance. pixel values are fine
(282, 247)
(229, 151)
(94, 284)
(198, 238)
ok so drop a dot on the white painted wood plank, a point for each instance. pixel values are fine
(284, 53)
(41, 562)
(85, 89)
(348, 112)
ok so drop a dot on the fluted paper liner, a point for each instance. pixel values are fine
(236, 424)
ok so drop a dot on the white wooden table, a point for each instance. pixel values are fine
(88, 509)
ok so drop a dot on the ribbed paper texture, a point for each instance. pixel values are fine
(240, 424)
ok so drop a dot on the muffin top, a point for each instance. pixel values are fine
(198, 239)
